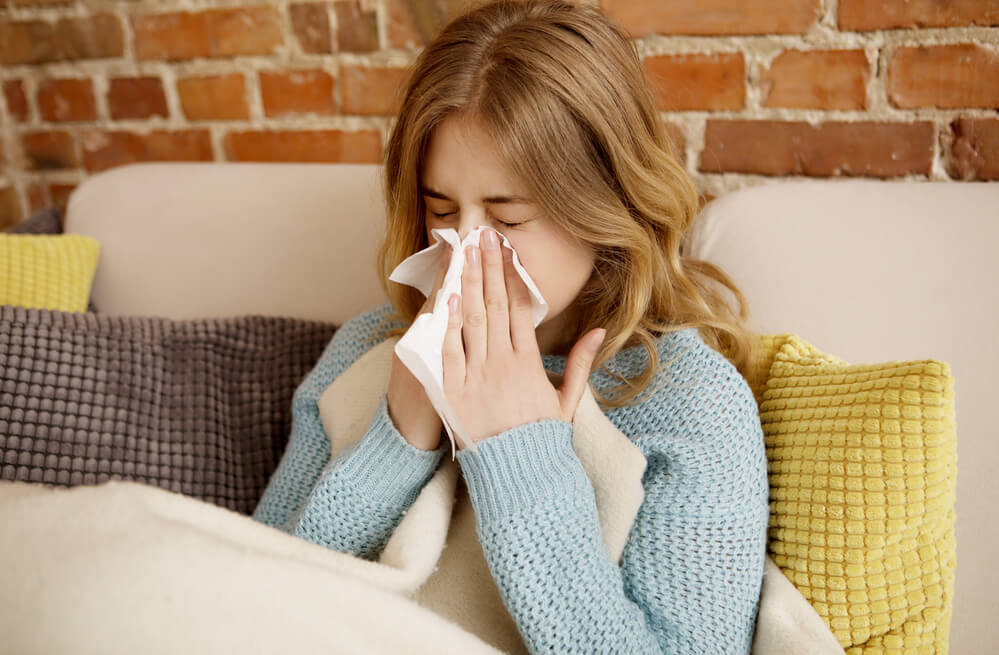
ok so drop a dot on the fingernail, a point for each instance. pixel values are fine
(490, 239)
(452, 304)
(472, 253)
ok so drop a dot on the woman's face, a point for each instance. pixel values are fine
(465, 185)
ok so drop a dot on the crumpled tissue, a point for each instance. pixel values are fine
(420, 349)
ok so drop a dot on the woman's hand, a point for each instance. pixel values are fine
(408, 406)
(495, 380)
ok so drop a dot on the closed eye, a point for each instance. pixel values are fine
(497, 220)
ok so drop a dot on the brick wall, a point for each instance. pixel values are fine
(753, 89)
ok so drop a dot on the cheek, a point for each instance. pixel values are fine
(544, 270)
(529, 261)
(525, 254)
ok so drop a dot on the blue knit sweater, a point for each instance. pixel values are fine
(690, 574)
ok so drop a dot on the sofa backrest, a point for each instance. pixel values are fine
(193, 240)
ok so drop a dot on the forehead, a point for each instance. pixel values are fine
(462, 159)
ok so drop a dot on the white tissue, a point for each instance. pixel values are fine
(420, 349)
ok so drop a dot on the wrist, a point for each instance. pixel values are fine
(423, 443)
(419, 437)
(423, 435)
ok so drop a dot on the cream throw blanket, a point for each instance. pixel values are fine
(123, 567)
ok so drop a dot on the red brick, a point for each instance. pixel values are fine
(59, 193)
(414, 23)
(38, 199)
(861, 15)
(137, 97)
(817, 79)
(963, 75)
(67, 99)
(679, 140)
(305, 146)
(828, 149)
(210, 33)
(103, 150)
(714, 16)
(50, 149)
(214, 97)
(36, 41)
(698, 81)
(407, 23)
(356, 31)
(17, 102)
(372, 91)
(310, 22)
(10, 208)
(297, 92)
(975, 150)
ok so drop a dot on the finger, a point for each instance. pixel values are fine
(577, 371)
(522, 333)
(473, 309)
(453, 353)
(496, 300)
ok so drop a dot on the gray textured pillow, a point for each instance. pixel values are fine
(201, 407)
(45, 221)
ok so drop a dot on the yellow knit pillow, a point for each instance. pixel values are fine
(47, 271)
(862, 465)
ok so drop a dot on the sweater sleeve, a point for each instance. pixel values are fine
(690, 574)
(354, 502)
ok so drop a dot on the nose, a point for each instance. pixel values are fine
(470, 219)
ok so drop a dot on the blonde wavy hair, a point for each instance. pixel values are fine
(561, 90)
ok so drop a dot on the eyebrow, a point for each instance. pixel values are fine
(493, 200)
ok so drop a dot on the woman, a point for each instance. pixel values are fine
(534, 119)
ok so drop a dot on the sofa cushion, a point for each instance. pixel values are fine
(200, 406)
(48, 271)
(862, 465)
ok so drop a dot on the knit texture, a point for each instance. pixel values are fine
(690, 574)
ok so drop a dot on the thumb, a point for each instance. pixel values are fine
(577, 371)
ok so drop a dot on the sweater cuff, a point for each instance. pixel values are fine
(384, 468)
(525, 466)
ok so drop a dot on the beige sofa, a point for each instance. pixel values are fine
(870, 271)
